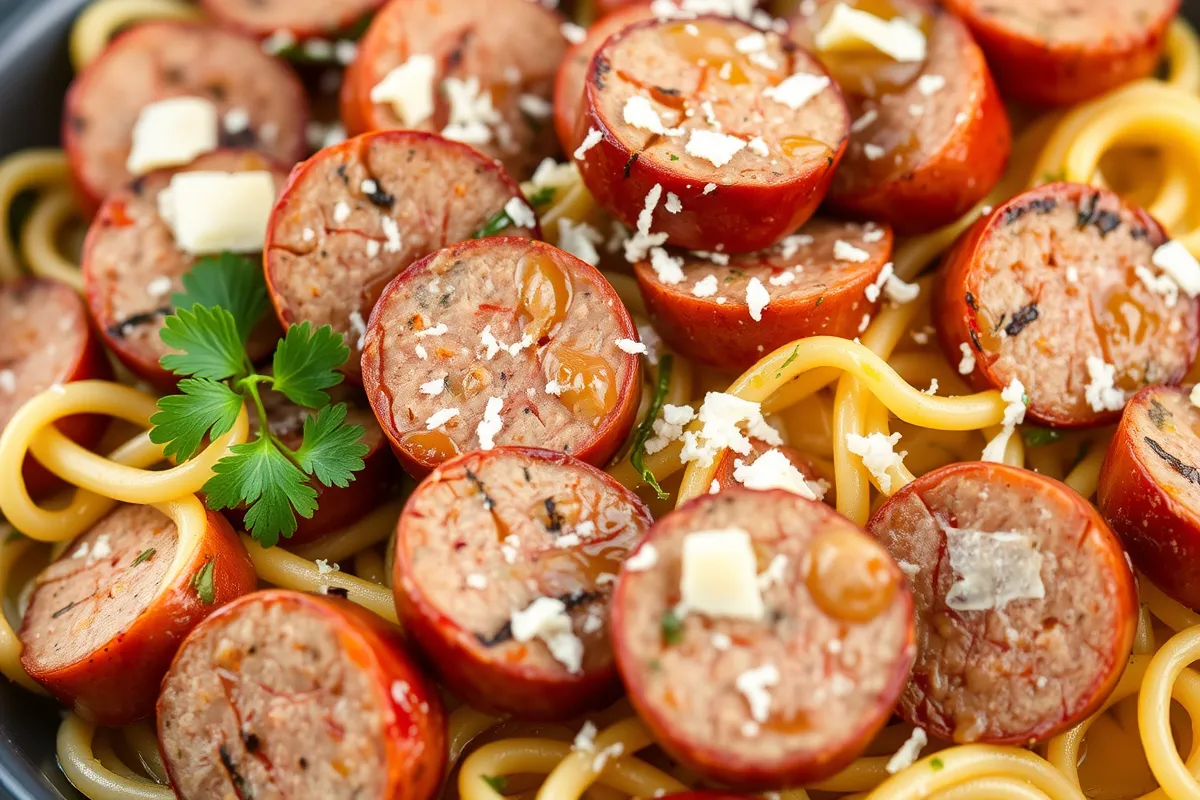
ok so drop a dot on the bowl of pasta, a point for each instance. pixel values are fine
(909, 537)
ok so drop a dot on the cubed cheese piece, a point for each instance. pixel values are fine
(173, 132)
(214, 211)
(719, 575)
(1175, 260)
(852, 30)
(993, 569)
(408, 89)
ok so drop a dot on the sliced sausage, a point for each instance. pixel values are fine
(730, 312)
(1148, 490)
(284, 694)
(795, 686)
(302, 19)
(337, 507)
(929, 139)
(1065, 51)
(712, 118)
(728, 475)
(504, 341)
(489, 84)
(132, 266)
(355, 215)
(48, 340)
(1055, 289)
(1026, 606)
(105, 619)
(504, 566)
(160, 60)
(569, 101)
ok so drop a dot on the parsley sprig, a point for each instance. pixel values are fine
(642, 434)
(224, 299)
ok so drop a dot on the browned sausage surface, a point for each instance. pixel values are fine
(484, 69)
(1058, 289)
(1026, 606)
(731, 311)
(501, 341)
(159, 60)
(788, 697)
(1149, 490)
(357, 214)
(505, 562)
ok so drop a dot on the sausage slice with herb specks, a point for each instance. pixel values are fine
(1060, 289)
(1026, 606)
(156, 61)
(48, 340)
(132, 266)
(1060, 52)
(284, 694)
(106, 618)
(355, 215)
(1149, 490)
(301, 19)
(504, 565)
(478, 71)
(795, 684)
(719, 135)
(929, 138)
(501, 341)
(731, 311)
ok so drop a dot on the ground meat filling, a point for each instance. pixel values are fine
(134, 266)
(362, 213)
(269, 703)
(103, 582)
(488, 536)
(506, 321)
(305, 15)
(820, 258)
(1006, 671)
(834, 673)
(678, 76)
(510, 48)
(1075, 22)
(1166, 430)
(1056, 282)
(45, 331)
(157, 61)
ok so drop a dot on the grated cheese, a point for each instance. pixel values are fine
(434, 387)
(471, 111)
(772, 470)
(440, 418)
(491, 423)
(716, 148)
(546, 618)
(796, 90)
(640, 114)
(1101, 393)
(966, 364)
(722, 417)
(631, 347)
(757, 298)
(591, 140)
(844, 251)
(908, 753)
(753, 684)
(580, 240)
(520, 213)
(705, 287)
(878, 455)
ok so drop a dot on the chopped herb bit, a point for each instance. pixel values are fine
(672, 627)
(13, 536)
(790, 359)
(494, 225)
(542, 196)
(637, 454)
(497, 782)
(1039, 437)
(203, 583)
(145, 555)
(936, 764)
(674, 157)
(820, 300)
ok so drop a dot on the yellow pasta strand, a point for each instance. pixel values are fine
(103, 19)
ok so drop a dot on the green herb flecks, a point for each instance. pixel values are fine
(638, 453)
(1039, 437)
(497, 782)
(145, 555)
(795, 354)
(672, 627)
(203, 584)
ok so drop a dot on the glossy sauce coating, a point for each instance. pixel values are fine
(996, 662)
(486, 535)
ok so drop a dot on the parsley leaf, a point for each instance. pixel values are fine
(232, 282)
(271, 486)
(1039, 437)
(206, 408)
(493, 226)
(203, 583)
(637, 454)
(306, 363)
(145, 555)
(331, 451)
(794, 354)
(209, 340)
(542, 196)
(672, 627)
(497, 782)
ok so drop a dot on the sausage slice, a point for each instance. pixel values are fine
(1026, 606)
(355, 215)
(284, 694)
(1062, 52)
(479, 71)
(501, 341)
(742, 128)
(1056, 289)
(105, 619)
(47, 340)
(731, 311)
(929, 139)
(132, 266)
(782, 694)
(302, 19)
(504, 566)
(1149, 490)
(160, 60)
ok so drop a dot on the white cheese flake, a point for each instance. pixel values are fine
(993, 569)
(1101, 393)
(325, 568)
(796, 90)
(645, 558)
(1162, 285)
(471, 111)
(908, 753)
(669, 426)
(491, 423)
(535, 106)
(723, 418)
(591, 140)
(436, 330)
(575, 34)
(639, 244)
(873, 152)
(878, 455)
(668, 268)
(705, 287)
(1014, 414)
(709, 188)
(341, 211)
(173, 132)
(844, 251)
(754, 685)
(358, 328)
(1175, 260)
(440, 418)
(716, 148)
(633, 348)
(518, 210)
(409, 90)
(758, 147)
(476, 581)
(546, 618)
(757, 298)
(929, 85)
(639, 113)
(719, 575)
(966, 364)
(772, 470)
(673, 204)
(159, 287)
(434, 387)
(580, 240)
(585, 740)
